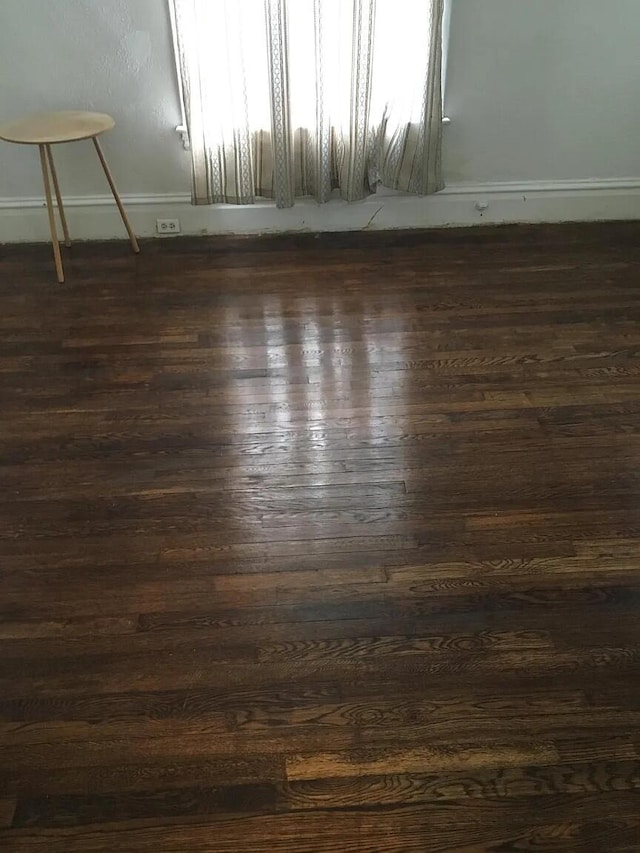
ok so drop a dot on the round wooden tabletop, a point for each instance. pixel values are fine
(49, 128)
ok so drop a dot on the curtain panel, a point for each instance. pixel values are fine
(290, 98)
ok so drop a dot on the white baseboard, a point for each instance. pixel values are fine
(95, 217)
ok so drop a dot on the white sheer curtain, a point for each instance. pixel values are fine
(288, 98)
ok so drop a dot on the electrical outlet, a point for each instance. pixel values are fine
(168, 226)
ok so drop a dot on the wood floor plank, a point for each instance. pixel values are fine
(418, 760)
(182, 802)
(565, 824)
(539, 781)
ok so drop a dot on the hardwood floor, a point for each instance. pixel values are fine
(322, 545)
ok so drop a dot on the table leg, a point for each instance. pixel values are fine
(132, 236)
(52, 220)
(56, 187)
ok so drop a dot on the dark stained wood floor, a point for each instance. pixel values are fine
(322, 545)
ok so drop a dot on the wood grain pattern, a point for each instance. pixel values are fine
(440, 757)
(357, 791)
(322, 545)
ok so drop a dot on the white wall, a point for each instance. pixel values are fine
(538, 91)
(543, 89)
(110, 56)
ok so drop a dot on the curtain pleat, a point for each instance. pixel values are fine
(317, 180)
(184, 16)
(290, 98)
(410, 152)
(354, 162)
(278, 54)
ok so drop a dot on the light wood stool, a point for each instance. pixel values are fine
(47, 129)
